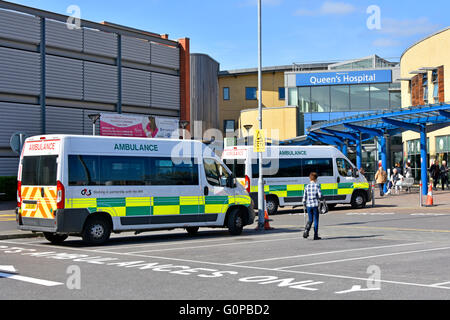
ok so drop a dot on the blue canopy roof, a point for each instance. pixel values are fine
(386, 122)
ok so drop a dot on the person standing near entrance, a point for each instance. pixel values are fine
(381, 179)
(444, 175)
(435, 173)
(311, 199)
(408, 173)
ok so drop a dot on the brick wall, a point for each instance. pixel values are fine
(417, 90)
(441, 84)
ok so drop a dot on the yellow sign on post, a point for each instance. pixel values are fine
(259, 144)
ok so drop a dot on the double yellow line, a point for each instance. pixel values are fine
(7, 217)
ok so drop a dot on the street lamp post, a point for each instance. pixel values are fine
(94, 118)
(247, 127)
(183, 125)
(260, 180)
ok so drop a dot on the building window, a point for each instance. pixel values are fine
(435, 79)
(379, 96)
(229, 126)
(340, 98)
(414, 156)
(226, 93)
(360, 97)
(320, 99)
(395, 100)
(281, 93)
(250, 93)
(436, 93)
(293, 97)
(304, 96)
(443, 149)
(425, 88)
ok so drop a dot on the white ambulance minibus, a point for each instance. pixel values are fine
(286, 171)
(92, 186)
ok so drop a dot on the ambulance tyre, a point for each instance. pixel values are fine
(272, 205)
(192, 231)
(97, 230)
(358, 200)
(55, 238)
(235, 222)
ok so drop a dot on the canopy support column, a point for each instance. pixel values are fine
(423, 159)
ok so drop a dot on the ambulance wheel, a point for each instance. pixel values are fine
(97, 231)
(55, 238)
(358, 200)
(235, 222)
(272, 205)
(192, 231)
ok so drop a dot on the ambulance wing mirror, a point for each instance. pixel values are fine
(231, 182)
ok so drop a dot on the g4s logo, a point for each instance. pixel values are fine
(86, 192)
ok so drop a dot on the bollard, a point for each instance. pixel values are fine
(373, 194)
(420, 196)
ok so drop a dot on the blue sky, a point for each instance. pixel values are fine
(293, 30)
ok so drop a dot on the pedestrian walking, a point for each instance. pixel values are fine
(435, 173)
(311, 199)
(381, 179)
(444, 175)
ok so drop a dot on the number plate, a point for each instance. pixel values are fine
(30, 206)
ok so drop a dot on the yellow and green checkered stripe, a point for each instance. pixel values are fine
(289, 191)
(159, 206)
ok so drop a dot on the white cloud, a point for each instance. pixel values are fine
(328, 8)
(408, 27)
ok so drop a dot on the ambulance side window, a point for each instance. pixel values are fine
(216, 173)
(84, 170)
(212, 173)
(345, 169)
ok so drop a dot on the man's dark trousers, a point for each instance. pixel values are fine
(313, 215)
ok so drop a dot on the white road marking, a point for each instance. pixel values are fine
(370, 214)
(330, 252)
(9, 269)
(247, 267)
(358, 289)
(216, 245)
(41, 282)
(363, 258)
(442, 285)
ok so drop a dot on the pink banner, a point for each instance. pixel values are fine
(117, 125)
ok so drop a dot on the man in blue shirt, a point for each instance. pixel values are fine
(311, 199)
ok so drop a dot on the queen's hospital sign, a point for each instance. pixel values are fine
(343, 78)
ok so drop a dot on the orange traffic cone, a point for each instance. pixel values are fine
(266, 216)
(430, 196)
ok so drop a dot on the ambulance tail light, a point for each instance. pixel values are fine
(60, 195)
(19, 194)
(247, 184)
